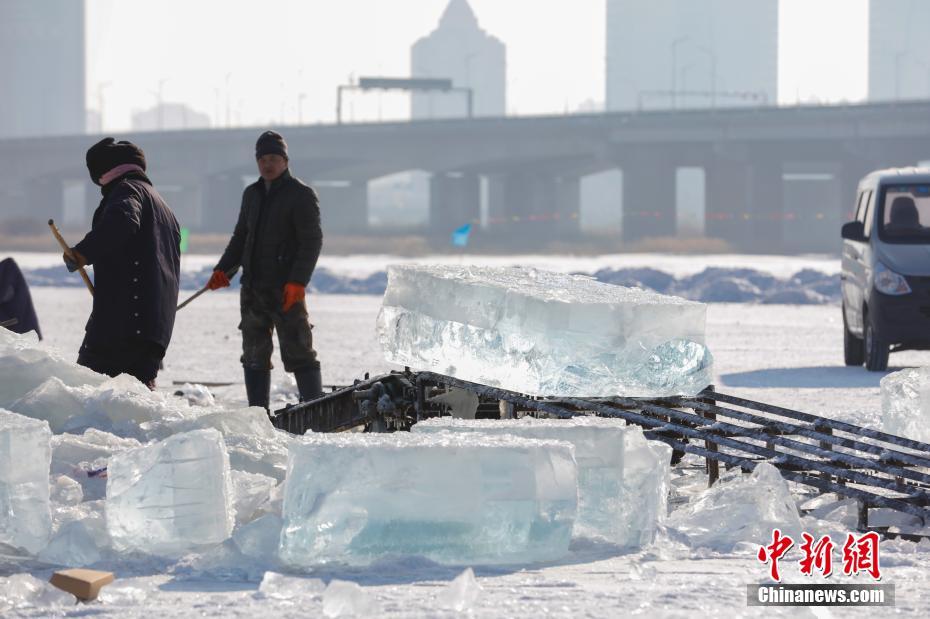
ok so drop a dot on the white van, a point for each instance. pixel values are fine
(886, 268)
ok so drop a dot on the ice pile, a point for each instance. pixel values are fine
(906, 403)
(543, 333)
(623, 479)
(170, 497)
(739, 508)
(25, 458)
(448, 497)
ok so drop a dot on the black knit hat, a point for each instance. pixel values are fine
(108, 153)
(270, 143)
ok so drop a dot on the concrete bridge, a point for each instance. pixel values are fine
(532, 168)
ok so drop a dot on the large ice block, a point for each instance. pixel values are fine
(906, 403)
(451, 497)
(543, 333)
(623, 479)
(172, 496)
(25, 458)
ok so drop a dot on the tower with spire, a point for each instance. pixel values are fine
(460, 50)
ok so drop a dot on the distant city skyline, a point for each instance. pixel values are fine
(281, 62)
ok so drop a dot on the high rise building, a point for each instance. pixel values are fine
(691, 53)
(458, 49)
(899, 50)
(41, 68)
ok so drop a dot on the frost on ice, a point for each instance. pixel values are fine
(25, 459)
(623, 479)
(906, 403)
(172, 496)
(543, 333)
(449, 497)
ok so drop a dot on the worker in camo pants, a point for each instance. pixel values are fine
(277, 241)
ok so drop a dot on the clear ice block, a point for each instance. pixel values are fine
(543, 333)
(25, 459)
(623, 479)
(451, 497)
(906, 403)
(170, 497)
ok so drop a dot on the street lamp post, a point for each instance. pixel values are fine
(674, 46)
(713, 72)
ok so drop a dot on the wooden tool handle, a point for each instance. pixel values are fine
(70, 254)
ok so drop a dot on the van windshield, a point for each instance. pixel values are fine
(906, 214)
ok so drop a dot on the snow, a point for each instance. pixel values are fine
(454, 498)
(543, 333)
(781, 354)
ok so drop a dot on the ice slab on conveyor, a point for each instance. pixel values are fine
(172, 496)
(906, 403)
(25, 459)
(623, 479)
(543, 333)
(451, 497)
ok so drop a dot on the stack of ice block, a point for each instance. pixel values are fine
(543, 333)
(170, 497)
(623, 479)
(906, 403)
(453, 498)
(25, 458)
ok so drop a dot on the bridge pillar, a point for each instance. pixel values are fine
(529, 207)
(343, 206)
(648, 199)
(454, 200)
(767, 203)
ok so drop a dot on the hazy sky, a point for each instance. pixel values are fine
(264, 57)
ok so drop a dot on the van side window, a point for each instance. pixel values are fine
(869, 214)
(859, 214)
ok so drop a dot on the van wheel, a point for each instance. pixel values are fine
(853, 350)
(876, 351)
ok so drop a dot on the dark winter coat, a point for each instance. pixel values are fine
(134, 247)
(278, 236)
(15, 300)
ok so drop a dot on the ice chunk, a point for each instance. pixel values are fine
(342, 599)
(54, 402)
(72, 546)
(25, 459)
(906, 403)
(66, 490)
(739, 508)
(84, 458)
(623, 480)
(25, 364)
(250, 491)
(22, 591)
(451, 497)
(461, 594)
(260, 538)
(196, 394)
(283, 587)
(172, 496)
(543, 333)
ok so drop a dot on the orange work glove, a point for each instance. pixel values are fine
(217, 280)
(293, 293)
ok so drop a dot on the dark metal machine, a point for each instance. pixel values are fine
(876, 469)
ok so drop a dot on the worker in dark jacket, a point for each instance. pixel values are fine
(277, 241)
(134, 247)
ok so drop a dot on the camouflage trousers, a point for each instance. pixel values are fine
(261, 310)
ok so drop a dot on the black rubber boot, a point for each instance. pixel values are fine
(309, 383)
(258, 387)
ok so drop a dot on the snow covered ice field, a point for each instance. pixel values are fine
(784, 355)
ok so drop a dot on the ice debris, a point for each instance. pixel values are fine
(170, 497)
(283, 587)
(449, 497)
(739, 508)
(25, 591)
(623, 479)
(25, 460)
(906, 403)
(461, 594)
(543, 333)
(342, 599)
